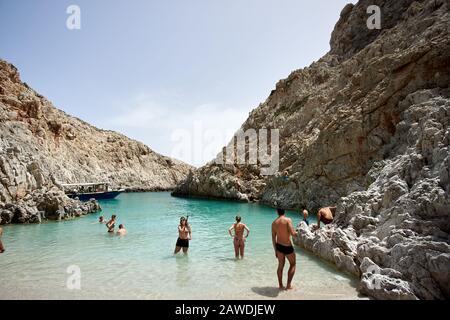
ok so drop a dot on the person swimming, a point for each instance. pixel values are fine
(122, 231)
(282, 230)
(184, 236)
(111, 224)
(101, 219)
(238, 238)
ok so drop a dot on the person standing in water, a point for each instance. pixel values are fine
(122, 231)
(2, 248)
(111, 223)
(239, 239)
(184, 235)
(282, 230)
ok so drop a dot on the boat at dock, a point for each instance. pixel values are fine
(87, 191)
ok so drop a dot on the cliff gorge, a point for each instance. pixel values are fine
(42, 147)
(366, 128)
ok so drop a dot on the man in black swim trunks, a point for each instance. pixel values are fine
(282, 230)
(184, 235)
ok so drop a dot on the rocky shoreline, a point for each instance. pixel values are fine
(43, 204)
(42, 147)
(365, 128)
(53, 204)
(401, 221)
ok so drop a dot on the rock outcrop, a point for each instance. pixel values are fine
(42, 147)
(45, 204)
(367, 128)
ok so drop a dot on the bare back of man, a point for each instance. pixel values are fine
(325, 215)
(282, 230)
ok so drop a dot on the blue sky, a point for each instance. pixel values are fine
(177, 75)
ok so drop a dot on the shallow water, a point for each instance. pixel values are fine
(141, 265)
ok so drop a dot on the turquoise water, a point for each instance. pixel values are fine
(141, 265)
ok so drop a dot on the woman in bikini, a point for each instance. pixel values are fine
(238, 238)
(184, 235)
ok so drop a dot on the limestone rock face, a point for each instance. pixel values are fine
(42, 147)
(45, 204)
(365, 128)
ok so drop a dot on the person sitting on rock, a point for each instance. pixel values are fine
(325, 215)
(111, 224)
(122, 231)
(2, 248)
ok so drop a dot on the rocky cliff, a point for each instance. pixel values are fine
(367, 128)
(42, 147)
